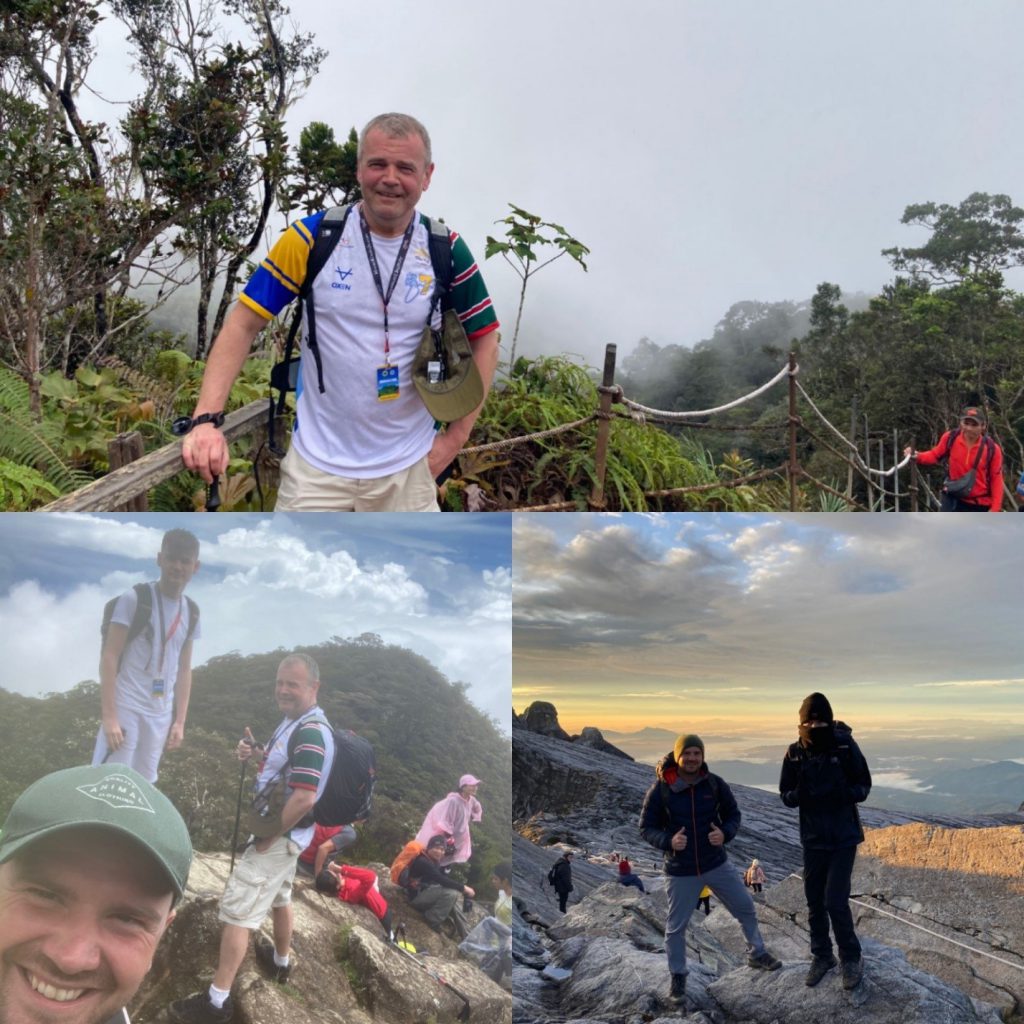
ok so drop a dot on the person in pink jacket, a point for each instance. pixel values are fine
(452, 816)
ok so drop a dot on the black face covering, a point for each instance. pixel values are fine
(817, 740)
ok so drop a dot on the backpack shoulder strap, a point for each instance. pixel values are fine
(328, 231)
(953, 435)
(193, 617)
(143, 610)
(440, 241)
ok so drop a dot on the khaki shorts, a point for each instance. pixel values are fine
(304, 488)
(260, 881)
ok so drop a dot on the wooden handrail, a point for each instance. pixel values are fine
(120, 485)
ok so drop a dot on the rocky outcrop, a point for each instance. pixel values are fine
(541, 717)
(593, 738)
(936, 903)
(344, 970)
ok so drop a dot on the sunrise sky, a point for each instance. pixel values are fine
(913, 625)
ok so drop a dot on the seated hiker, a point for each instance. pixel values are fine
(489, 944)
(356, 885)
(501, 879)
(627, 876)
(433, 893)
(327, 843)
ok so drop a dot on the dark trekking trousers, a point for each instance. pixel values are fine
(827, 888)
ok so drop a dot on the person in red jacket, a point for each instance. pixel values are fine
(970, 451)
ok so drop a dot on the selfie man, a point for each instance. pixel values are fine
(92, 862)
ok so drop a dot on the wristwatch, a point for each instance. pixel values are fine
(183, 424)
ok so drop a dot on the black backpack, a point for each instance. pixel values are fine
(348, 795)
(141, 621)
(284, 376)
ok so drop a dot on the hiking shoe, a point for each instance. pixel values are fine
(265, 958)
(819, 968)
(853, 972)
(677, 990)
(197, 1009)
(763, 961)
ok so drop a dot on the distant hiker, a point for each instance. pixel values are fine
(281, 825)
(92, 862)
(433, 893)
(825, 775)
(691, 814)
(974, 472)
(628, 877)
(146, 662)
(356, 885)
(327, 843)
(452, 816)
(364, 439)
(705, 898)
(754, 876)
(560, 876)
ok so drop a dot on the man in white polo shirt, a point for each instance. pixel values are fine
(363, 439)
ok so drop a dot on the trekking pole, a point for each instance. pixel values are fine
(213, 498)
(238, 805)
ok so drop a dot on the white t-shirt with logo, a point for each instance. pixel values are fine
(141, 664)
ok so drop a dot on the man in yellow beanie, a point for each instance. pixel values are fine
(691, 814)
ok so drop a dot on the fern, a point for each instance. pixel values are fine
(23, 488)
(37, 444)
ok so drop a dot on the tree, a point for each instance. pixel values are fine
(323, 171)
(523, 232)
(981, 235)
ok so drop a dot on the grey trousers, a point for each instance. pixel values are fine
(725, 882)
(436, 903)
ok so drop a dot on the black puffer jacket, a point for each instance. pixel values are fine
(827, 788)
(695, 808)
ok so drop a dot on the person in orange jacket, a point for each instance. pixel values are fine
(974, 475)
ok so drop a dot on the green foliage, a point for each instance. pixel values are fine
(524, 233)
(22, 487)
(424, 731)
(324, 170)
(550, 392)
(980, 236)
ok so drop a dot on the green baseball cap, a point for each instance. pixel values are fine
(445, 373)
(111, 796)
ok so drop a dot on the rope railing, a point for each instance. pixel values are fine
(676, 416)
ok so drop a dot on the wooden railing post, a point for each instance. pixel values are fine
(121, 450)
(604, 409)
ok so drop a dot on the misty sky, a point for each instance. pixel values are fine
(910, 624)
(707, 153)
(438, 585)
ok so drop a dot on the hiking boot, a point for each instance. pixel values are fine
(819, 968)
(265, 958)
(853, 972)
(677, 990)
(197, 1009)
(763, 961)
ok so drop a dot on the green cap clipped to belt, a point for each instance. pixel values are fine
(110, 796)
(444, 372)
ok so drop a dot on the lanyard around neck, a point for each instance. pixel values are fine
(166, 634)
(385, 297)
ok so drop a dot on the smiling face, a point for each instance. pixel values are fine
(294, 691)
(692, 759)
(972, 429)
(81, 914)
(178, 563)
(393, 172)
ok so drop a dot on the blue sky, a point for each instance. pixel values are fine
(439, 585)
(911, 624)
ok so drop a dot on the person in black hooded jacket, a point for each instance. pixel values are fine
(825, 775)
(691, 814)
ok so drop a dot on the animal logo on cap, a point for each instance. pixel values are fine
(118, 791)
